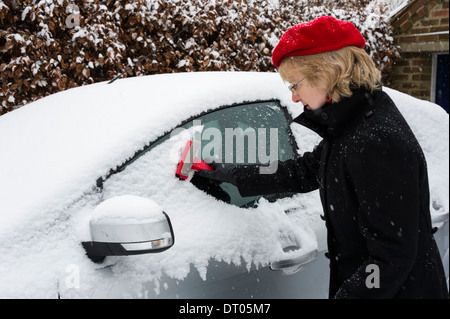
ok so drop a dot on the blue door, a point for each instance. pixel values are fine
(442, 81)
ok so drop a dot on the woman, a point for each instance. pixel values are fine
(369, 167)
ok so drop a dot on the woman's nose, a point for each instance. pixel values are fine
(296, 98)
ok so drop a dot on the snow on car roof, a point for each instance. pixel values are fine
(55, 149)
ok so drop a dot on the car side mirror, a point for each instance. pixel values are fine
(128, 225)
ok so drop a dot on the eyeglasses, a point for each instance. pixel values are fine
(293, 87)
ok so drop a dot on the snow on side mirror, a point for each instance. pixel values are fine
(128, 225)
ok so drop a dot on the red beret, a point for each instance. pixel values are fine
(323, 34)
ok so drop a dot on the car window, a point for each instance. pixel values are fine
(251, 133)
(256, 133)
(246, 132)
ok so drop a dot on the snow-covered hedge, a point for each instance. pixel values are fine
(50, 45)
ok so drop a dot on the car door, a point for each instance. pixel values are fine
(223, 240)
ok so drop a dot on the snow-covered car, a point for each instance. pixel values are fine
(90, 172)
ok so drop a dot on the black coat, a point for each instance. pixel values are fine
(373, 183)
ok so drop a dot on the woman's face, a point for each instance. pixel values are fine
(312, 97)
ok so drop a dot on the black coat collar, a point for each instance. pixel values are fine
(331, 120)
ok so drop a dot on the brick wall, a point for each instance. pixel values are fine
(412, 75)
(420, 30)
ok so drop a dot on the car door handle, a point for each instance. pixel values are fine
(439, 220)
(294, 262)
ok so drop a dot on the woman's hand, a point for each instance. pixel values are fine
(223, 172)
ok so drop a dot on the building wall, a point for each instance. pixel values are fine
(421, 30)
(412, 75)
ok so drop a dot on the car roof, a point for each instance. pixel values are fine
(54, 149)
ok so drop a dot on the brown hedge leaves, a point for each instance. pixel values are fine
(53, 45)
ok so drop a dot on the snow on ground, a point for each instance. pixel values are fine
(53, 151)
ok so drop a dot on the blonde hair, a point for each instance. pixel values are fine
(338, 72)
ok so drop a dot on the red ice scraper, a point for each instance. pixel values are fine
(189, 160)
